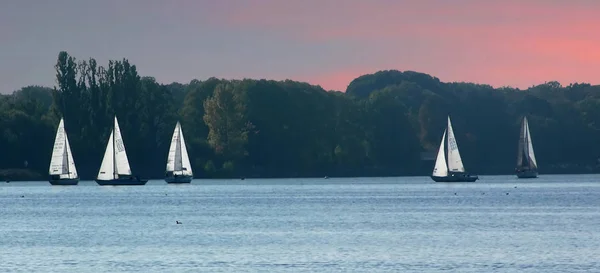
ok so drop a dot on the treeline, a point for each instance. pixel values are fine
(385, 124)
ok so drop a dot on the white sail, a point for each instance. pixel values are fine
(71, 162)
(62, 163)
(173, 157)
(185, 159)
(440, 168)
(455, 163)
(530, 146)
(57, 162)
(178, 160)
(121, 161)
(178, 164)
(107, 169)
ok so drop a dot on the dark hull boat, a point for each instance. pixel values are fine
(64, 182)
(526, 162)
(527, 174)
(179, 179)
(456, 178)
(450, 169)
(123, 181)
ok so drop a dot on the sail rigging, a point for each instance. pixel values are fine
(526, 156)
(530, 148)
(62, 163)
(448, 158)
(115, 160)
(178, 160)
(455, 163)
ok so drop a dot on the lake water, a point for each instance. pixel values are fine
(498, 224)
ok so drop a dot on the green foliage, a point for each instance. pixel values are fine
(228, 166)
(225, 116)
(209, 167)
(263, 128)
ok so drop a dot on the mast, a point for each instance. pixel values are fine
(114, 155)
(180, 159)
(66, 155)
(526, 139)
(446, 145)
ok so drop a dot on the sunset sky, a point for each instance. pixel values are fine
(323, 42)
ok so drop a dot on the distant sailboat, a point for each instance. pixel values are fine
(179, 169)
(115, 170)
(452, 170)
(526, 163)
(62, 167)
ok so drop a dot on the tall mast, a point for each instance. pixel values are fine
(114, 155)
(179, 146)
(447, 143)
(67, 154)
(526, 138)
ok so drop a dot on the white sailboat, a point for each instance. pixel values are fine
(62, 166)
(179, 169)
(115, 169)
(526, 162)
(452, 168)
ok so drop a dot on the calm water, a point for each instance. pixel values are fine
(551, 224)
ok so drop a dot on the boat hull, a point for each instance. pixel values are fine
(178, 179)
(527, 174)
(128, 181)
(456, 178)
(64, 182)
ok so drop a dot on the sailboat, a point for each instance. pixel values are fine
(115, 170)
(179, 169)
(62, 167)
(453, 169)
(526, 163)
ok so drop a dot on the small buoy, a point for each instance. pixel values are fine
(515, 187)
(22, 196)
(483, 193)
(454, 193)
(507, 193)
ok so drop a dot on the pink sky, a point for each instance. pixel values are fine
(324, 42)
(517, 43)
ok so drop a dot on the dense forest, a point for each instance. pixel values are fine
(385, 124)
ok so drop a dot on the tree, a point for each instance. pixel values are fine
(225, 116)
(266, 128)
